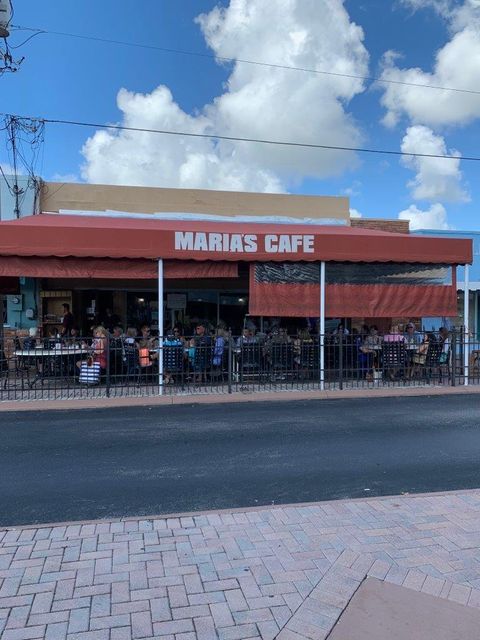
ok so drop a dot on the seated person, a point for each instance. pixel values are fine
(220, 342)
(73, 339)
(413, 338)
(130, 347)
(303, 338)
(444, 339)
(172, 356)
(52, 338)
(146, 340)
(147, 347)
(202, 354)
(98, 348)
(370, 348)
(247, 337)
(395, 363)
(31, 340)
(394, 335)
(117, 355)
(474, 357)
(340, 330)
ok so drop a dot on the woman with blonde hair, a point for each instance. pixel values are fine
(99, 346)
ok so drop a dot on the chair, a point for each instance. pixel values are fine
(202, 360)
(22, 367)
(132, 363)
(249, 360)
(309, 358)
(4, 369)
(393, 358)
(116, 359)
(432, 360)
(173, 359)
(281, 358)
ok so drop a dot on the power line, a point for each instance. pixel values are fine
(210, 56)
(213, 136)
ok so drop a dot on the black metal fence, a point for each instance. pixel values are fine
(106, 366)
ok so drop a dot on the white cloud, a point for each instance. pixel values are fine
(457, 14)
(436, 178)
(354, 213)
(354, 189)
(433, 218)
(258, 102)
(456, 65)
(8, 169)
(64, 177)
(443, 7)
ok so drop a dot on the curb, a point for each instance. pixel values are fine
(265, 507)
(234, 398)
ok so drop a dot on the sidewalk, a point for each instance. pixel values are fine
(281, 572)
(225, 398)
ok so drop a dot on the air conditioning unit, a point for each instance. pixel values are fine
(15, 302)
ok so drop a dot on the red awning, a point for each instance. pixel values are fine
(294, 291)
(52, 235)
(122, 269)
(353, 301)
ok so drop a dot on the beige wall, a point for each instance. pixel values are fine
(93, 197)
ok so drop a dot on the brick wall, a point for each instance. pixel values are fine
(395, 226)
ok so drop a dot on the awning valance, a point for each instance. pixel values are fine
(106, 268)
(51, 235)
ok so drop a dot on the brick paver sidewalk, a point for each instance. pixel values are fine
(283, 572)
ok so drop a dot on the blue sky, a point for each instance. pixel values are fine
(75, 79)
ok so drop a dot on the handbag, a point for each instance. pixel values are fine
(443, 358)
(89, 372)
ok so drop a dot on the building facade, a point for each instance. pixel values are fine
(226, 256)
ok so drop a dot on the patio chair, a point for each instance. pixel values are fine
(309, 359)
(281, 359)
(132, 364)
(249, 360)
(173, 360)
(202, 361)
(433, 360)
(393, 358)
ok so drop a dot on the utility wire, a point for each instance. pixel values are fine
(31, 37)
(198, 54)
(214, 136)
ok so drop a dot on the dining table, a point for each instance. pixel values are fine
(51, 362)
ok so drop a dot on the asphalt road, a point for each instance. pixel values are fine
(85, 464)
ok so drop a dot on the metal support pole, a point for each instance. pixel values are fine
(107, 373)
(341, 336)
(322, 326)
(475, 320)
(160, 326)
(230, 363)
(466, 313)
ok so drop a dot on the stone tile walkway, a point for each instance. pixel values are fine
(281, 572)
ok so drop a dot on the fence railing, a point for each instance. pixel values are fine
(55, 368)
